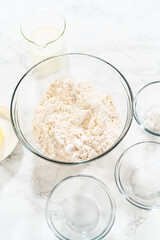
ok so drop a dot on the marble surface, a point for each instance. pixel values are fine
(126, 34)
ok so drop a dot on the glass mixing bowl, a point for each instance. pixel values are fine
(82, 67)
(80, 207)
(147, 108)
(137, 175)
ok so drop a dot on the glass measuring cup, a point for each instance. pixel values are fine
(44, 30)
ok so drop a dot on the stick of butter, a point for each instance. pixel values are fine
(1, 136)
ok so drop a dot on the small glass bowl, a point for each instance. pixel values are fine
(147, 101)
(137, 175)
(80, 207)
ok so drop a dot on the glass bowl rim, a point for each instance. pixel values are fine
(120, 138)
(100, 184)
(119, 183)
(33, 42)
(135, 103)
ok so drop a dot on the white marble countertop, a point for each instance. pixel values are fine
(126, 34)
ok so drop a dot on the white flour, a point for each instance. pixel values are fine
(74, 122)
(152, 119)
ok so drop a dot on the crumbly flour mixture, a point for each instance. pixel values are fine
(74, 122)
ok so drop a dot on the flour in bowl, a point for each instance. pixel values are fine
(74, 122)
(152, 119)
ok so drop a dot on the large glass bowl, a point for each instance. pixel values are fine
(82, 67)
(80, 207)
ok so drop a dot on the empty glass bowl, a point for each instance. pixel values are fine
(137, 175)
(80, 207)
(147, 108)
(81, 67)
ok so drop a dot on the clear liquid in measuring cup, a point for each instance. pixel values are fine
(48, 41)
